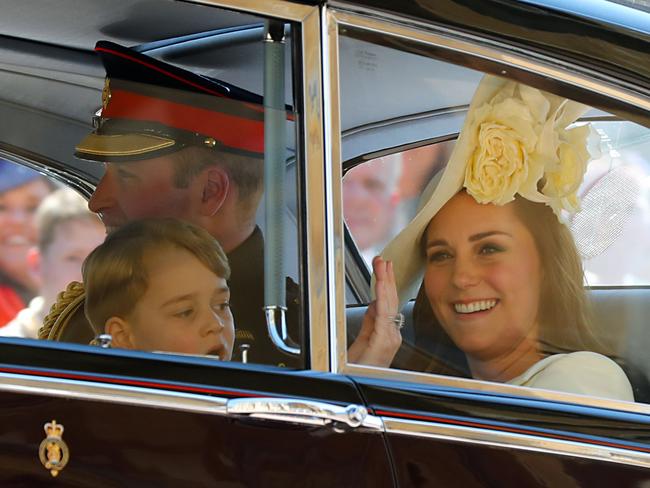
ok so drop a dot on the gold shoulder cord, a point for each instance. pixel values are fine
(67, 296)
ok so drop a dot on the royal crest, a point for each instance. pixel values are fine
(53, 451)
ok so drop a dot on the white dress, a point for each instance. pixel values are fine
(583, 372)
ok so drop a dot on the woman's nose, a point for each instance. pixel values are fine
(465, 274)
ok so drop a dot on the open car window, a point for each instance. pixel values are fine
(466, 312)
(176, 122)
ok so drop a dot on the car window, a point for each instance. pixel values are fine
(568, 293)
(181, 124)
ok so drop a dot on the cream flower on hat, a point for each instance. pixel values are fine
(516, 140)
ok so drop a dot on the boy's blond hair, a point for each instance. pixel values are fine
(114, 274)
(60, 207)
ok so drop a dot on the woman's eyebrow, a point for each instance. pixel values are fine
(483, 235)
(436, 242)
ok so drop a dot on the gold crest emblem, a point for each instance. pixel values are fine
(53, 451)
(106, 94)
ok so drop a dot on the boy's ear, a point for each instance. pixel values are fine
(120, 331)
(216, 185)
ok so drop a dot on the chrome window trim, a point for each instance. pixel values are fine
(336, 239)
(124, 395)
(269, 8)
(516, 441)
(457, 42)
(315, 172)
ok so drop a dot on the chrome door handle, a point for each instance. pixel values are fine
(304, 412)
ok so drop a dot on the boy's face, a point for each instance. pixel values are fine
(60, 263)
(185, 308)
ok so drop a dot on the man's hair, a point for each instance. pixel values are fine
(115, 276)
(247, 173)
(60, 207)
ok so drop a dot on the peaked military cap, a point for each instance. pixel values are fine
(151, 108)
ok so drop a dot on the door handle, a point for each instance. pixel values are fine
(304, 412)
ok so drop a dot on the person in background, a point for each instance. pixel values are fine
(67, 232)
(370, 199)
(21, 191)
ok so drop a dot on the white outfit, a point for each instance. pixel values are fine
(583, 372)
(27, 322)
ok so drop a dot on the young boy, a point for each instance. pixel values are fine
(160, 285)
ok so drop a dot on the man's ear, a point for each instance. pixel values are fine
(120, 331)
(216, 185)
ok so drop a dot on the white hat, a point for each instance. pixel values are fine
(515, 140)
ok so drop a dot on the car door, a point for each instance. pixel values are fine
(140, 420)
(405, 88)
(79, 415)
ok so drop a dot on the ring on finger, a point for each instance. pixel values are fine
(397, 320)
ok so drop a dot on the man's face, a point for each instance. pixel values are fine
(138, 189)
(369, 200)
(60, 262)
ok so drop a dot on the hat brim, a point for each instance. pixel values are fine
(405, 249)
(124, 147)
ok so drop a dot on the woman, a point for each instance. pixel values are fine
(21, 191)
(502, 290)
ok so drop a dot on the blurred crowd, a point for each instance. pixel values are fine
(45, 234)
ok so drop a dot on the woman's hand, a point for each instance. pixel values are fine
(380, 337)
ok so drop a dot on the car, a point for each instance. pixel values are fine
(366, 84)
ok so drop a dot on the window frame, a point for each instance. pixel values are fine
(458, 48)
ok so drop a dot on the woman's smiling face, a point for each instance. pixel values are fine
(483, 277)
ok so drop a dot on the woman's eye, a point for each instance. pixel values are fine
(438, 256)
(490, 249)
(221, 307)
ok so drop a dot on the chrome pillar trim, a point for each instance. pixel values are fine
(270, 8)
(479, 386)
(304, 412)
(315, 222)
(336, 243)
(125, 395)
(495, 51)
(516, 441)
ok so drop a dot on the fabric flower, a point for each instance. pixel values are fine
(563, 181)
(521, 145)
